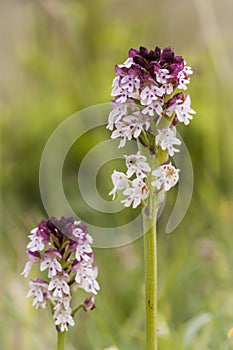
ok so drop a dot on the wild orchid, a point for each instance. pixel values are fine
(61, 249)
(149, 102)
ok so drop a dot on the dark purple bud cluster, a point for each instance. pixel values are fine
(146, 85)
(153, 61)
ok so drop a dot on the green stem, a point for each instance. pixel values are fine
(76, 309)
(61, 340)
(150, 261)
(151, 292)
(150, 257)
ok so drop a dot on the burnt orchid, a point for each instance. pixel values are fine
(61, 249)
(149, 101)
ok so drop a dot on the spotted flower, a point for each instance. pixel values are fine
(138, 165)
(59, 285)
(166, 175)
(86, 276)
(120, 182)
(50, 262)
(38, 289)
(136, 194)
(129, 127)
(181, 106)
(63, 318)
(36, 241)
(165, 138)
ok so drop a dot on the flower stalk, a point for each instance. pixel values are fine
(61, 340)
(150, 212)
(150, 268)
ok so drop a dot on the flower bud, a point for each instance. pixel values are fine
(89, 303)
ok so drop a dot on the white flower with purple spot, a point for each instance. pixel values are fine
(148, 95)
(167, 89)
(119, 110)
(50, 262)
(83, 251)
(59, 285)
(183, 80)
(165, 139)
(162, 76)
(154, 107)
(136, 194)
(62, 303)
(166, 175)
(182, 109)
(37, 242)
(86, 277)
(38, 288)
(120, 182)
(130, 126)
(137, 164)
(183, 77)
(131, 85)
(63, 318)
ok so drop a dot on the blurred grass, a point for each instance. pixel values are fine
(57, 58)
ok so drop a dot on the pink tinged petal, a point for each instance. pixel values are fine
(158, 108)
(116, 133)
(148, 110)
(65, 288)
(34, 257)
(137, 132)
(52, 252)
(120, 182)
(119, 110)
(44, 265)
(70, 320)
(127, 202)
(122, 98)
(115, 81)
(170, 110)
(130, 172)
(89, 238)
(27, 269)
(122, 142)
(136, 202)
(127, 64)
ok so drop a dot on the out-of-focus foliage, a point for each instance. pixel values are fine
(58, 57)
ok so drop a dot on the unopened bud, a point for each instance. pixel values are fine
(89, 303)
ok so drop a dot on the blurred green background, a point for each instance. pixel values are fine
(58, 57)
